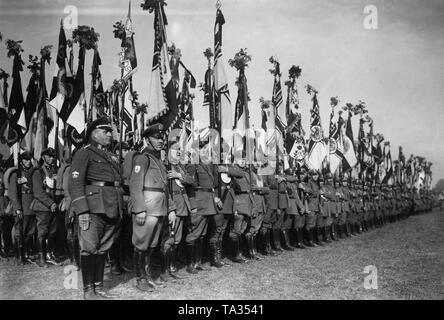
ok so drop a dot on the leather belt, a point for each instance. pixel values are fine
(204, 189)
(103, 183)
(154, 189)
(26, 192)
(283, 192)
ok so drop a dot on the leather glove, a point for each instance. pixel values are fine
(172, 219)
(84, 221)
(140, 218)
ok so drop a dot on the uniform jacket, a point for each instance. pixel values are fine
(228, 194)
(258, 191)
(3, 199)
(277, 198)
(148, 185)
(345, 198)
(181, 189)
(206, 179)
(20, 190)
(97, 165)
(243, 201)
(44, 193)
(295, 204)
(311, 189)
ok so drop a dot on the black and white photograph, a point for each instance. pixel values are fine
(232, 152)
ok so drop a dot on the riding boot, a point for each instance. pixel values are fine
(310, 237)
(318, 236)
(164, 264)
(249, 238)
(299, 239)
(116, 267)
(237, 254)
(190, 248)
(50, 257)
(333, 233)
(215, 261)
(276, 241)
(198, 253)
(148, 268)
(358, 228)
(19, 252)
(99, 271)
(267, 243)
(141, 280)
(87, 267)
(326, 234)
(253, 244)
(41, 262)
(286, 240)
(172, 267)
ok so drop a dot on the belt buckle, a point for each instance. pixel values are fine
(116, 184)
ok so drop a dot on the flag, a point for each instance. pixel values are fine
(127, 55)
(277, 100)
(16, 102)
(336, 142)
(3, 105)
(317, 149)
(221, 92)
(162, 102)
(75, 113)
(349, 160)
(388, 164)
(62, 83)
(241, 116)
(32, 99)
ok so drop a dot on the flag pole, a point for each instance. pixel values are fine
(121, 118)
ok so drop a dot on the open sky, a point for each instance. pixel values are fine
(397, 69)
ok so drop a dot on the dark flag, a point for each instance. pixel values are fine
(349, 160)
(317, 149)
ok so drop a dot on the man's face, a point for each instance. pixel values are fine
(102, 136)
(26, 163)
(175, 154)
(157, 141)
(241, 162)
(315, 177)
(49, 160)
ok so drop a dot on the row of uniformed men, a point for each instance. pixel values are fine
(189, 201)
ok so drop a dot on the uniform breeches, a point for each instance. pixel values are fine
(147, 235)
(299, 221)
(255, 224)
(197, 227)
(25, 228)
(321, 221)
(170, 236)
(219, 223)
(352, 217)
(239, 224)
(310, 220)
(288, 221)
(99, 237)
(342, 218)
(72, 227)
(46, 224)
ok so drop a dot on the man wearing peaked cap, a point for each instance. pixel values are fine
(152, 205)
(95, 189)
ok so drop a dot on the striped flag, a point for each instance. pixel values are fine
(277, 100)
(349, 160)
(162, 99)
(335, 142)
(127, 55)
(62, 83)
(317, 149)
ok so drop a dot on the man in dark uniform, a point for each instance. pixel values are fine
(294, 207)
(122, 248)
(310, 188)
(20, 194)
(242, 206)
(205, 199)
(258, 209)
(95, 189)
(4, 233)
(181, 183)
(45, 207)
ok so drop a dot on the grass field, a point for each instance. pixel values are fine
(408, 256)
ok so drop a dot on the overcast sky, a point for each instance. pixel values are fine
(396, 69)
